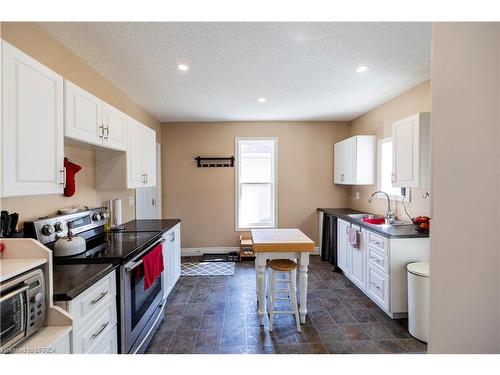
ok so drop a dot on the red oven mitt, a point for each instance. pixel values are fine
(71, 170)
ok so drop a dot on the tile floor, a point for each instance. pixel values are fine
(219, 315)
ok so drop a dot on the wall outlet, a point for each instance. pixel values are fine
(357, 195)
(130, 201)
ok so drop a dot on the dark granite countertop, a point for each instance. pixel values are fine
(154, 225)
(393, 231)
(72, 279)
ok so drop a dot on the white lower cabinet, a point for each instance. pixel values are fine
(94, 315)
(378, 265)
(172, 258)
(378, 286)
(343, 246)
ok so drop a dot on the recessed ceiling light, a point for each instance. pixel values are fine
(362, 69)
(183, 67)
(261, 99)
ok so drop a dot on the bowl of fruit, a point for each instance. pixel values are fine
(422, 223)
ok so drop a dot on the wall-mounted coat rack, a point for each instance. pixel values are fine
(214, 162)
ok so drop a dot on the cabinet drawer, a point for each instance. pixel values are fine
(108, 345)
(378, 259)
(96, 330)
(98, 295)
(376, 241)
(378, 286)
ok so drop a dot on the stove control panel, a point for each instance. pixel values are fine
(49, 229)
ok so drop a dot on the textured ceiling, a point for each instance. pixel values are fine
(307, 71)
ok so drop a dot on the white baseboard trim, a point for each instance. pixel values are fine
(198, 251)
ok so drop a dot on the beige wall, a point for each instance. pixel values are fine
(34, 41)
(204, 197)
(379, 122)
(465, 252)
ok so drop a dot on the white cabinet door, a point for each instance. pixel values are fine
(410, 148)
(83, 115)
(343, 246)
(115, 125)
(149, 154)
(405, 160)
(135, 172)
(357, 269)
(32, 130)
(343, 161)
(177, 253)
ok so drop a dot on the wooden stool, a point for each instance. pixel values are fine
(290, 267)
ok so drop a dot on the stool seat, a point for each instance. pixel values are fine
(283, 265)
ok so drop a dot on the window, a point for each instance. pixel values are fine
(256, 175)
(385, 171)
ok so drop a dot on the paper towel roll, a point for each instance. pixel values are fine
(117, 212)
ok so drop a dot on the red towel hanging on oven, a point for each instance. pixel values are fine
(153, 265)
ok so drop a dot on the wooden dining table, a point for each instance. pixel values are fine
(281, 244)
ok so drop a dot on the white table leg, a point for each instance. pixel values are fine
(261, 286)
(303, 263)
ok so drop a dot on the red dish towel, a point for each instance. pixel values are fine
(153, 265)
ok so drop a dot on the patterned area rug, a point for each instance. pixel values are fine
(207, 269)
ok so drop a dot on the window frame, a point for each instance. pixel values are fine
(274, 183)
(392, 197)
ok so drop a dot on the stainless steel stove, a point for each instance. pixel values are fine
(141, 311)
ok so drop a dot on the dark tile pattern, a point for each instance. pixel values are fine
(218, 315)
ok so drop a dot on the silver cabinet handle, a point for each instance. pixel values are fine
(172, 236)
(63, 176)
(393, 177)
(146, 178)
(101, 296)
(375, 285)
(103, 327)
(106, 129)
(102, 131)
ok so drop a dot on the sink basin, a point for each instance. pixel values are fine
(365, 216)
(377, 220)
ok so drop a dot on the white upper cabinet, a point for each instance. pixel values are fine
(410, 147)
(149, 160)
(92, 121)
(32, 126)
(133, 169)
(83, 120)
(114, 127)
(141, 155)
(354, 160)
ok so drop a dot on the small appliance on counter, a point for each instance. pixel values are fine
(8, 224)
(23, 307)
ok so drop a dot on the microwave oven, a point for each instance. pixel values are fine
(22, 308)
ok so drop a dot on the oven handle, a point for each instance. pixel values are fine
(133, 264)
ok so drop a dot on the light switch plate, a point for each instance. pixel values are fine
(130, 201)
(357, 195)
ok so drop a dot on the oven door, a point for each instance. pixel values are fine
(138, 305)
(13, 313)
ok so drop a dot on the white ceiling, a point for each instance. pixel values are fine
(307, 71)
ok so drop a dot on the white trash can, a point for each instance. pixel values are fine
(418, 300)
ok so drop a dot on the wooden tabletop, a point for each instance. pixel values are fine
(280, 240)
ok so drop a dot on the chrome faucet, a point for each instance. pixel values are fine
(390, 215)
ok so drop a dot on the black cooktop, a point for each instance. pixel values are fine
(111, 247)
